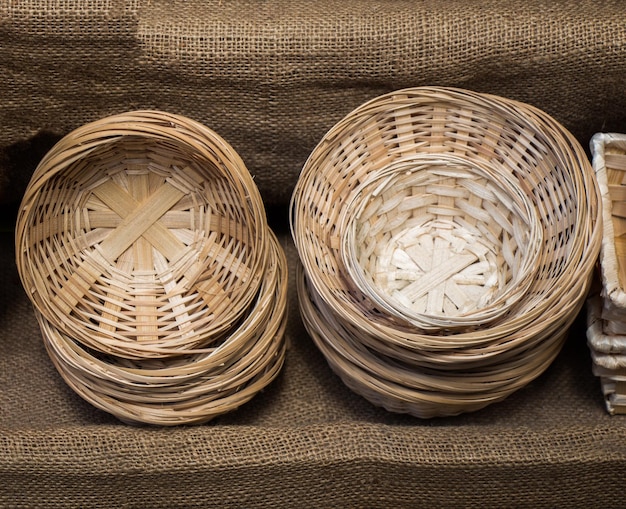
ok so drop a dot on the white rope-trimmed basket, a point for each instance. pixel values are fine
(606, 313)
(379, 351)
(609, 162)
(143, 245)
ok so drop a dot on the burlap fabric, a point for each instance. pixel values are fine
(272, 77)
(306, 441)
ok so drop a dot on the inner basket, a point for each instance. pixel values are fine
(441, 241)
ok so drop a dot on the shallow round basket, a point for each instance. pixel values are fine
(142, 235)
(441, 241)
(420, 389)
(192, 388)
(513, 140)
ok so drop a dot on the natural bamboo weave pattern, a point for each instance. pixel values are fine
(441, 242)
(141, 235)
(412, 318)
(142, 238)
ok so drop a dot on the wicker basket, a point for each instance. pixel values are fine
(143, 245)
(606, 313)
(609, 162)
(608, 357)
(368, 345)
(142, 234)
(441, 241)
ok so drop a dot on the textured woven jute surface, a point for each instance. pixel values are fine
(272, 77)
(306, 440)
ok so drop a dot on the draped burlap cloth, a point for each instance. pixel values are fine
(272, 77)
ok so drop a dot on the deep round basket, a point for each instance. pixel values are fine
(142, 234)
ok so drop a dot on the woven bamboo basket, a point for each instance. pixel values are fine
(516, 142)
(441, 241)
(159, 288)
(606, 311)
(608, 357)
(142, 234)
(609, 162)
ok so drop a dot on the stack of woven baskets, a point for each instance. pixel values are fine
(447, 240)
(606, 310)
(143, 245)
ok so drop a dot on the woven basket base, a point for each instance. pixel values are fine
(440, 254)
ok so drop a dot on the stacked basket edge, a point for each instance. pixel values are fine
(606, 310)
(159, 288)
(429, 289)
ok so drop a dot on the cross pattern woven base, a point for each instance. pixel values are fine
(139, 238)
(439, 267)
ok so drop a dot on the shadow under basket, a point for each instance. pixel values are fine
(143, 245)
(391, 215)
